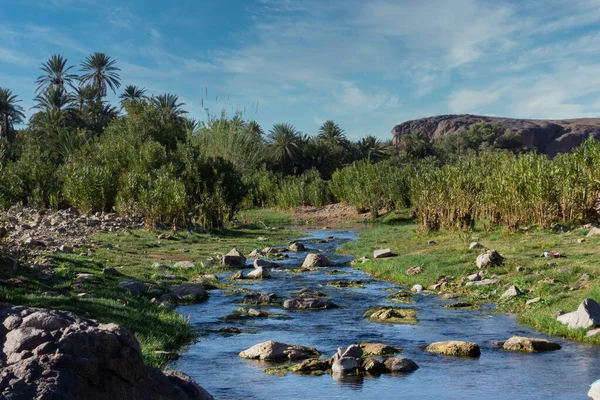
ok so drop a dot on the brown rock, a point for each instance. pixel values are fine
(530, 345)
(274, 351)
(455, 348)
(379, 349)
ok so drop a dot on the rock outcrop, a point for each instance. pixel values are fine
(547, 136)
(53, 354)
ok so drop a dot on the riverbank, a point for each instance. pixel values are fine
(83, 282)
(549, 285)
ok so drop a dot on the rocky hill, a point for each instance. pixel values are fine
(548, 136)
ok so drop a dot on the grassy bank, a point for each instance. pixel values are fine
(132, 253)
(558, 282)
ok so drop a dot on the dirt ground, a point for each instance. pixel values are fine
(331, 214)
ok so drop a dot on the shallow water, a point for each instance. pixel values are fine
(214, 363)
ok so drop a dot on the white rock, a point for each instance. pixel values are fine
(586, 316)
(382, 253)
(417, 288)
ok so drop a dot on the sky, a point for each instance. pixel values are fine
(367, 65)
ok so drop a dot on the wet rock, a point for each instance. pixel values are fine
(382, 253)
(316, 260)
(346, 284)
(353, 351)
(297, 246)
(312, 366)
(530, 345)
(184, 265)
(258, 298)
(193, 291)
(234, 259)
(594, 391)
(110, 271)
(459, 304)
(54, 354)
(262, 263)
(308, 304)
(231, 329)
(417, 289)
(134, 287)
(414, 270)
(259, 273)
(476, 245)
(586, 315)
(490, 258)
(392, 315)
(309, 293)
(511, 292)
(373, 366)
(277, 351)
(344, 366)
(455, 348)
(379, 349)
(237, 276)
(400, 365)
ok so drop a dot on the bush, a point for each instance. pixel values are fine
(307, 189)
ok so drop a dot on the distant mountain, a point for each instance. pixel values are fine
(548, 136)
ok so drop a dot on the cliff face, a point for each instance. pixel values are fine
(548, 136)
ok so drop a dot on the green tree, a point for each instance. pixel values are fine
(10, 112)
(331, 131)
(55, 74)
(416, 145)
(370, 148)
(285, 146)
(132, 93)
(100, 72)
(169, 103)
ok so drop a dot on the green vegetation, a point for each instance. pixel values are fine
(561, 283)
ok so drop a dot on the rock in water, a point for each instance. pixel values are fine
(455, 348)
(274, 351)
(530, 345)
(262, 263)
(234, 259)
(344, 366)
(400, 365)
(382, 253)
(259, 273)
(491, 258)
(297, 246)
(308, 304)
(586, 316)
(372, 366)
(594, 391)
(193, 291)
(316, 260)
(379, 349)
(353, 351)
(54, 354)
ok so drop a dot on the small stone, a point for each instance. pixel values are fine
(184, 265)
(474, 277)
(533, 301)
(455, 348)
(490, 258)
(476, 245)
(431, 242)
(417, 289)
(382, 253)
(111, 271)
(414, 270)
(158, 265)
(580, 240)
(483, 282)
(297, 246)
(530, 345)
(237, 275)
(520, 269)
(512, 291)
(400, 365)
(593, 332)
(258, 273)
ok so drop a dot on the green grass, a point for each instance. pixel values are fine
(450, 256)
(157, 328)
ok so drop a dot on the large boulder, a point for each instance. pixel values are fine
(234, 259)
(308, 304)
(133, 287)
(490, 258)
(530, 345)
(297, 246)
(316, 260)
(400, 365)
(379, 349)
(455, 348)
(586, 316)
(276, 351)
(344, 366)
(53, 354)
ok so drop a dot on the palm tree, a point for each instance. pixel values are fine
(168, 102)
(132, 93)
(100, 73)
(56, 73)
(83, 96)
(55, 97)
(10, 112)
(332, 132)
(284, 144)
(371, 148)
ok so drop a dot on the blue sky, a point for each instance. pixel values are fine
(368, 65)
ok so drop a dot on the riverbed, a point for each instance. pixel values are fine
(214, 363)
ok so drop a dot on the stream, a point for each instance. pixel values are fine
(214, 363)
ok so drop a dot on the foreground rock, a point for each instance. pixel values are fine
(586, 316)
(259, 273)
(297, 246)
(455, 348)
(58, 355)
(316, 260)
(382, 253)
(308, 304)
(490, 258)
(234, 259)
(400, 365)
(530, 345)
(392, 315)
(277, 351)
